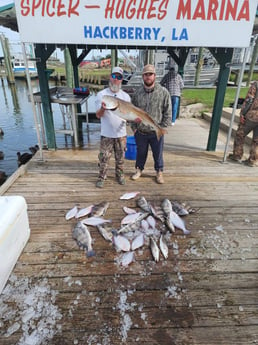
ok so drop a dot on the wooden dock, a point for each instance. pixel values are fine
(205, 293)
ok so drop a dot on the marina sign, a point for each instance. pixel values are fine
(160, 23)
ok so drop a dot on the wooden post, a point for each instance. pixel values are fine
(113, 58)
(68, 68)
(198, 67)
(7, 59)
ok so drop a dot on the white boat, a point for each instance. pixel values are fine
(19, 69)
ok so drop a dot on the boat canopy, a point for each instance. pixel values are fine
(8, 15)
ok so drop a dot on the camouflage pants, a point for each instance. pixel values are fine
(242, 131)
(107, 146)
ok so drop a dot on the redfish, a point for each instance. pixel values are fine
(128, 112)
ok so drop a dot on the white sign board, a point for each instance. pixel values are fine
(164, 23)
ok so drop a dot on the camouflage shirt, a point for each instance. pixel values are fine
(250, 105)
(156, 102)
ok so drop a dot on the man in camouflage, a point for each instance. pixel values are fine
(156, 101)
(113, 130)
(248, 122)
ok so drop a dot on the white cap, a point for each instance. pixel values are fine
(118, 70)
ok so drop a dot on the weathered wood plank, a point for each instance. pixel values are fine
(204, 294)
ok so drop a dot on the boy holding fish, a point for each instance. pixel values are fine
(155, 100)
(113, 129)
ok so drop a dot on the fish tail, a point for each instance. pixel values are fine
(90, 253)
(160, 131)
(186, 232)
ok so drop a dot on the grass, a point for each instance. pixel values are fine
(207, 96)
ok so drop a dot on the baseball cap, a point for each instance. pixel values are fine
(148, 69)
(117, 70)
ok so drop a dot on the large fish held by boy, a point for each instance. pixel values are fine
(127, 111)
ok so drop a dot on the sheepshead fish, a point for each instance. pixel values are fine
(143, 204)
(154, 249)
(99, 209)
(130, 218)
(166, 206)
(163, 247)
(178, 222)
(179, 208)
(81, 235)
(158, 213)
(133, 225)
(167, 209)
(127, 111)
(106, 231)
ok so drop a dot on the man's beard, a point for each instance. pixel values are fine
(114, 87)
(149, 84)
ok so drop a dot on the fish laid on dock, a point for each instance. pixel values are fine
(145, 224)
(137, 242)
(130, 218)
(99, 209)
(81, 235)
(129, 195)
(131, 113)
(121, 243)
(127, 258)
(163, 247)
(71, 213)
(178, 222)
(154, 249)
(106, 231)
(94, 221)
(135, 225)
(83, 212)
(167, 209)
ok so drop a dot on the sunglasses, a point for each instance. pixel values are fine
(118, 77)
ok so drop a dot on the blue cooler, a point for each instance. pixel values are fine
(131, 149)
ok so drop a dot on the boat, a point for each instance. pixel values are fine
(19, 68)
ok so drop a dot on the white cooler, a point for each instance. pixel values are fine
(14, 233)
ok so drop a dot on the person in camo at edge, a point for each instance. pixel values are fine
(113, 130)
(156, 101)
(248, 122)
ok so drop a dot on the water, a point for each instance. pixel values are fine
(17, 122)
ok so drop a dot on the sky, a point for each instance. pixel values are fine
(13, 37)
(15, 43)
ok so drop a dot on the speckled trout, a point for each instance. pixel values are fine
(127, 111)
